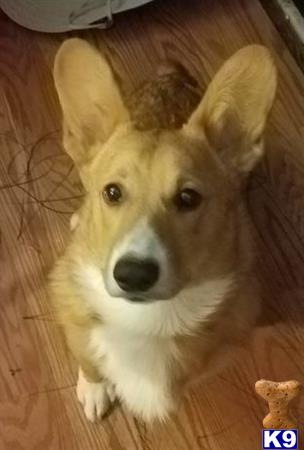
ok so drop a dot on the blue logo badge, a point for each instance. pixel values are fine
(273, 439)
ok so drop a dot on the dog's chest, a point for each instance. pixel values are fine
(181, 315)
(137, 334)
(135, 344)
(122, 353)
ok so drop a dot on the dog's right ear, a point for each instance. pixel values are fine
(235, 108)
(90, 99)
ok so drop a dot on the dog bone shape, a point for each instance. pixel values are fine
(278, 396)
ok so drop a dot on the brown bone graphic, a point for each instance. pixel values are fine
(278, 396)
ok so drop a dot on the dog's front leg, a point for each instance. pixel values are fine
(95, 396)
(94, 392)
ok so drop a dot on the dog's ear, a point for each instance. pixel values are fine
(90, 99)
(233, 112)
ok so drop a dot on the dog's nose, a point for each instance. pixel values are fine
(136, 275)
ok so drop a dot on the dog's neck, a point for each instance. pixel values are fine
(178, 316)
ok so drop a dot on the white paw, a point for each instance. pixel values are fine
(111, 392)
(74, 221)
(94, 397)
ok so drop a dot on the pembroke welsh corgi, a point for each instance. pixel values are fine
(156, 282)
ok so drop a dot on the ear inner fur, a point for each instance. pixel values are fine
(90, 99)
(233, 112)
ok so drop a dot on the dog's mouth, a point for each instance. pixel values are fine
(144, 298)
(149, 297)
(139, 299)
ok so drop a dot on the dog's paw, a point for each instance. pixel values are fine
(74, 221)
(111, 392)
(94, 397)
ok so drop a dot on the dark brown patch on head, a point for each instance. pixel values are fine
(166, 101)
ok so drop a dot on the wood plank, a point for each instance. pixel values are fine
(288, 18)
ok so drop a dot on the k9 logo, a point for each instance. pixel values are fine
(273, 439)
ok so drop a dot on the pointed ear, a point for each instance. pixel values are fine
(235, 108)
(89, 96)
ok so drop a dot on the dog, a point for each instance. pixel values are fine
(156, 282)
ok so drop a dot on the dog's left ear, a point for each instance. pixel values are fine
(233, 113)
(90, 99)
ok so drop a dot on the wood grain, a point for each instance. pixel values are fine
(285, 25)
(39, 189)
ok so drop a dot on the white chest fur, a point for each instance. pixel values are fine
(135, 343)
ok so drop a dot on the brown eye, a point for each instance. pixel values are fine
(187, 200)
(112, 193)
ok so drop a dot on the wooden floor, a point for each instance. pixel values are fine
(39, 190)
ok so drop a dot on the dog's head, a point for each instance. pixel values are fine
(162, 209)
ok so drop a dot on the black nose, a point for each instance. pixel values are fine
(136, 275)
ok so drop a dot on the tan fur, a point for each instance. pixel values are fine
(214, 152)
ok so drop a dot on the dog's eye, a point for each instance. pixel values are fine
(112, 193)
(187, 200)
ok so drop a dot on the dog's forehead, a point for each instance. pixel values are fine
(125, 147)
(166, 156)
